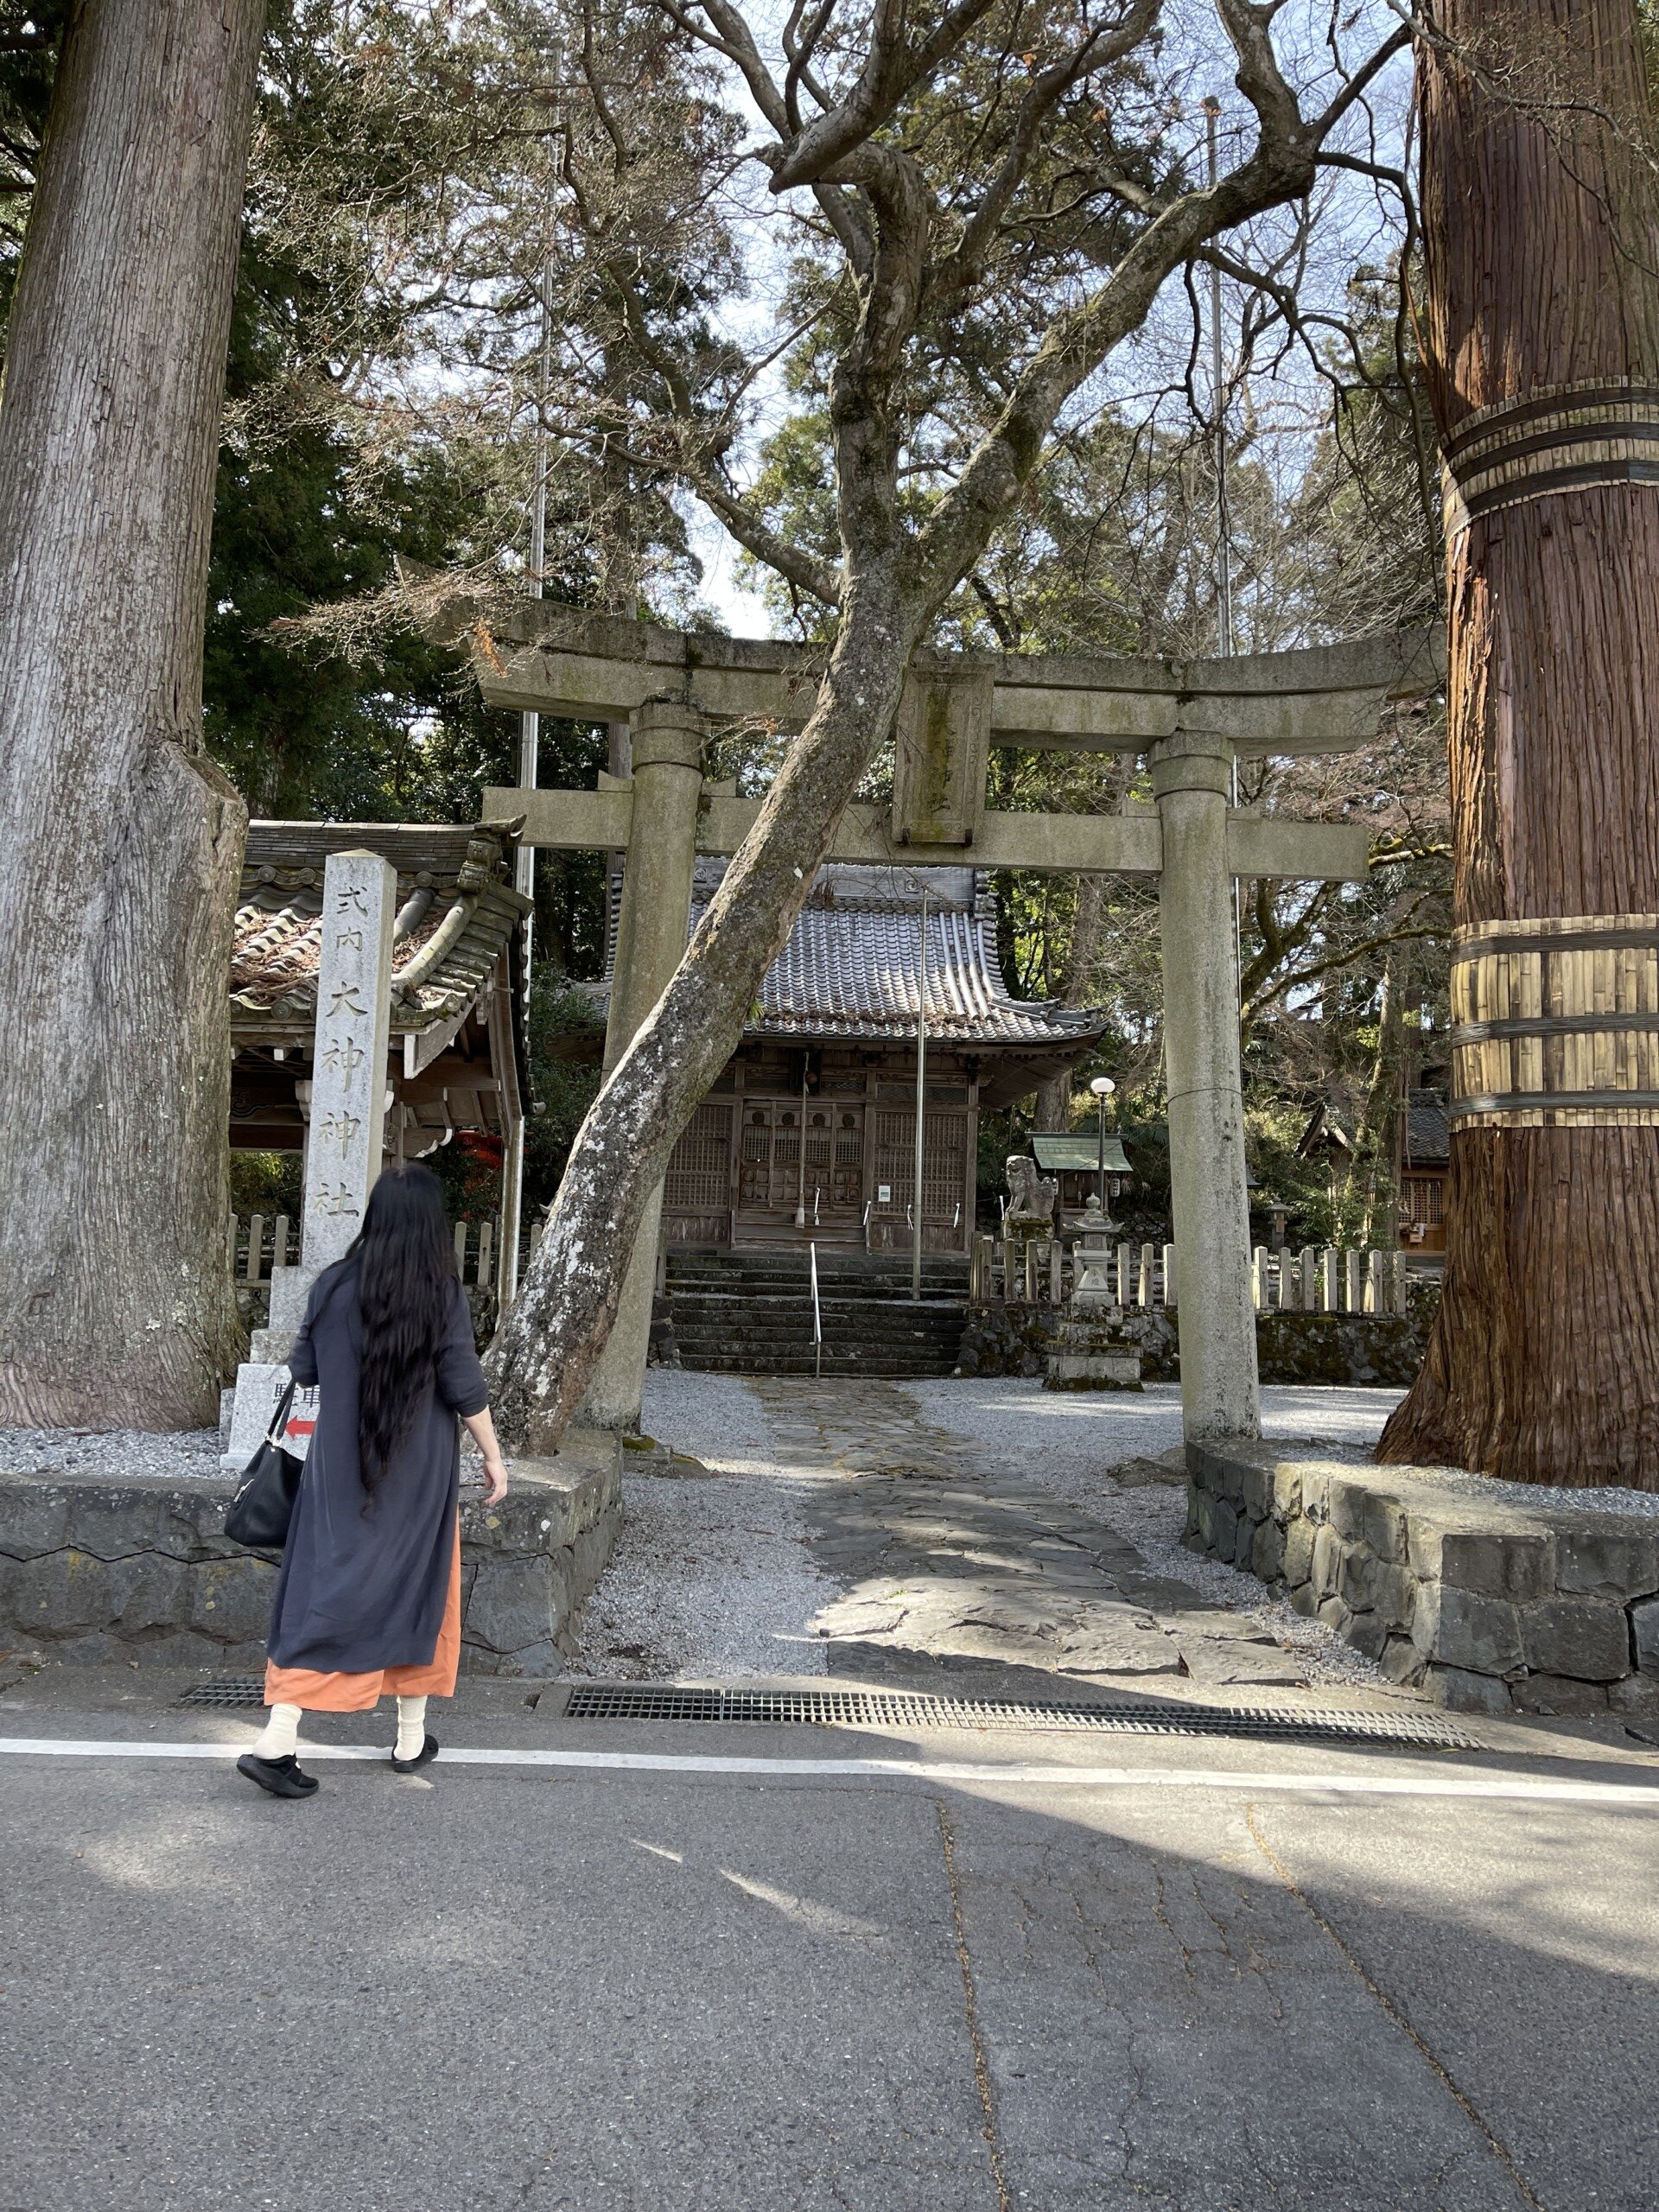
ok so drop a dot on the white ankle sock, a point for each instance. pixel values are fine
(411, 1725)
(281, 1733)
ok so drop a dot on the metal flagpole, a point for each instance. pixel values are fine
(1217, 400)
(921, 1095)
(530, 735)
(1223, 521)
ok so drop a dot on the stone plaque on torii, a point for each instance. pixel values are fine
(1192, 719)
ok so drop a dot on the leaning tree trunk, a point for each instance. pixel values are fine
(1541, 232)
(120, 845)
(551, 1339)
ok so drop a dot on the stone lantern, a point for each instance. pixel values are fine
(1090, 1350)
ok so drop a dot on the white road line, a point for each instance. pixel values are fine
(1461, 1783)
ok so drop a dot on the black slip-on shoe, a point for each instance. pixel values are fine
(427, 1753)
(282, 1778)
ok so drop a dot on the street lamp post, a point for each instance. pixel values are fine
(1102, 1086)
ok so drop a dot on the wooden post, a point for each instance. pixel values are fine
(461, 1250)
(1330, 1268)
(256, 1238)
(279, 1244)
(1259, 1277)
(1351, 1299)
(1310, 1279)
(1010, 1271)
(486, 1248)
(1056, 1272)
(1125, 1264)
(1143, 1289)
(1400, 1300)
(1169, 1275)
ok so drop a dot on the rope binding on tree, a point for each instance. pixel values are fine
(1555, 1022)
(1566, 437)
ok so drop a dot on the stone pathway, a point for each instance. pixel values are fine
(944, 1571)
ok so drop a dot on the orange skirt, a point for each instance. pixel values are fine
(318, 1692)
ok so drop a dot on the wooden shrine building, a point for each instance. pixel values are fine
(456, 1048)
(810, 1132)
(1424, 1170)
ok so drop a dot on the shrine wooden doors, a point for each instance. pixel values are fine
(946, 1137)
(796, 1156)
(747, 1165)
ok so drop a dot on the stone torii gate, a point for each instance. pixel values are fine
(1192, 719)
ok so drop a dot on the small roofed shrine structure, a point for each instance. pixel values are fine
(809, 1135)
(455, 1058)
(1074, 1158)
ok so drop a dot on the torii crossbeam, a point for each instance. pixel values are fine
(1192, 719)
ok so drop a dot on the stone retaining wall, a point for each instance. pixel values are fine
(1487, 1605)
(93, 1571)
(1349, 1348)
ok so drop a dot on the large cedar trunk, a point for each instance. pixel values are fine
(120, 845)
(1542, 231)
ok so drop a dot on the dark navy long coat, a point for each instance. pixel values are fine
(360, 1591)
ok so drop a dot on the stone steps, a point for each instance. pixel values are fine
(796, 1282)
(883, 1365)
(767, 1333)
(751, 1313)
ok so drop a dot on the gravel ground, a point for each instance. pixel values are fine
(710, 1575)
(716, 1418)
(122, 1455)
(1016, 1427)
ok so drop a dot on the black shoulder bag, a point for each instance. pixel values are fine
(263, 1505)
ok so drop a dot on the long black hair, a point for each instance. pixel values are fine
(406, 1263)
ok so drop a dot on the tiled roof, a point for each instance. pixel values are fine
(1428, 1135)
(457, 912)
(852, 967)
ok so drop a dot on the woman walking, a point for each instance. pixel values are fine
(368, 1601)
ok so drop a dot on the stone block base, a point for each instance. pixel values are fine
(1090, 1351)
(1093, 1371)
(1351, 1349)
(92, 1572)
(1484, 1603)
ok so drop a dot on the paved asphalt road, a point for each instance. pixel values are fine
(562, 1988)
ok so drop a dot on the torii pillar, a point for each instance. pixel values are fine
(667, 740)
(1192, 778)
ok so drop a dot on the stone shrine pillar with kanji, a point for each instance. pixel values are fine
(345, 1134)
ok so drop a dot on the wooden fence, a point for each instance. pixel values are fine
(260, 1242)
(1332, 1279)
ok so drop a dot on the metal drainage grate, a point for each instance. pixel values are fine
(230, 1689)
(856, 1709)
